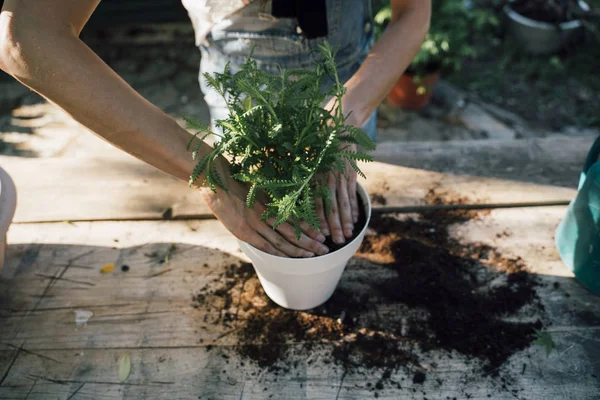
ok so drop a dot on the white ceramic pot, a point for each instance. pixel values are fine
(304, 283)
(8, 203)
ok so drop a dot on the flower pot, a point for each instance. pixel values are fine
(406, 94)
(8, 203)
(304, 283)
(537, 37)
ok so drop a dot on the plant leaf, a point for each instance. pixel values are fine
(196, 124)
(247, 103)
(107, 268)
(544, 339)
(357, 169)
(361, 138)
(251, 198)
(199, 168)
(124, 367)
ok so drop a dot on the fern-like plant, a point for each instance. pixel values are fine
(280, 139)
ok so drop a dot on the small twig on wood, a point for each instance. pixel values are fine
(76, 391)
(65, 279)
(73, 266)
(31, 389)
(160, 273)
(10, 366)
(340, 387)
(452, 207)
(226, 333)
(69, 381)
(30, 352)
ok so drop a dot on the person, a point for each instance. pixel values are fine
(40, 47)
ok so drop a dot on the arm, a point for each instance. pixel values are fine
(51, 60)
(365, 90)
(388, 59)
(40, 47)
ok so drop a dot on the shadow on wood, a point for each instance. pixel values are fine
(553, 161)
(182, 349)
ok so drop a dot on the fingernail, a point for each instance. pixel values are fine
(325, 231)
(348, 230)
(323, 250)
(355, 218)
(308, 254)
(339, 239)
(320, 238)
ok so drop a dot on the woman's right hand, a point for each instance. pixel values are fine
(246, 224)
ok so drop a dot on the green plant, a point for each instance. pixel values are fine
(279, 138)
(449, 40)
(544, 339)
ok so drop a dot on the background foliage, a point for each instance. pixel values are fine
(467, 41)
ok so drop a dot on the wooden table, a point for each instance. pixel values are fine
(53, 273)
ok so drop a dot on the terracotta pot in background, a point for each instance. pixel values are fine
(405, 93)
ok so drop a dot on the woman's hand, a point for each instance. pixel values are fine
(245, 223)
(339, 222)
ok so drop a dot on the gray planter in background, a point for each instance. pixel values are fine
(8, 203)
(542, 37)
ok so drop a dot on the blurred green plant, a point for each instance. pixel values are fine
(449, 41)
(552, 92)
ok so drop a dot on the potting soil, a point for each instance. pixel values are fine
(412, 289)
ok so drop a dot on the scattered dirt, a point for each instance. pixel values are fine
(419, 377)
(378, 199)
(412, 289)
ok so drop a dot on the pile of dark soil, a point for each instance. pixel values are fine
(412, 289)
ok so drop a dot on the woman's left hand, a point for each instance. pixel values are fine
(339, 223)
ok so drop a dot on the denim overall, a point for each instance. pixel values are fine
(278, 42)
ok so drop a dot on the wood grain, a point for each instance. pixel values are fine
(53, 269)
(119, 187)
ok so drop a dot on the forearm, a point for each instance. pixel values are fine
(388, 59)
(57, 64)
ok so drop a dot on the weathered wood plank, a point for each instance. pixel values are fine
(152, 319)
(42, 293)
(95, 189)
(546, 161)
(196, 372)
(120, 187)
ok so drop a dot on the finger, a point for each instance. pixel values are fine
(281, 244)
(311, 232)
(305, 242)
(262, 244)
(324, 225)
(289, 233)
(353, 197)
(344, 207)
(333, 218)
